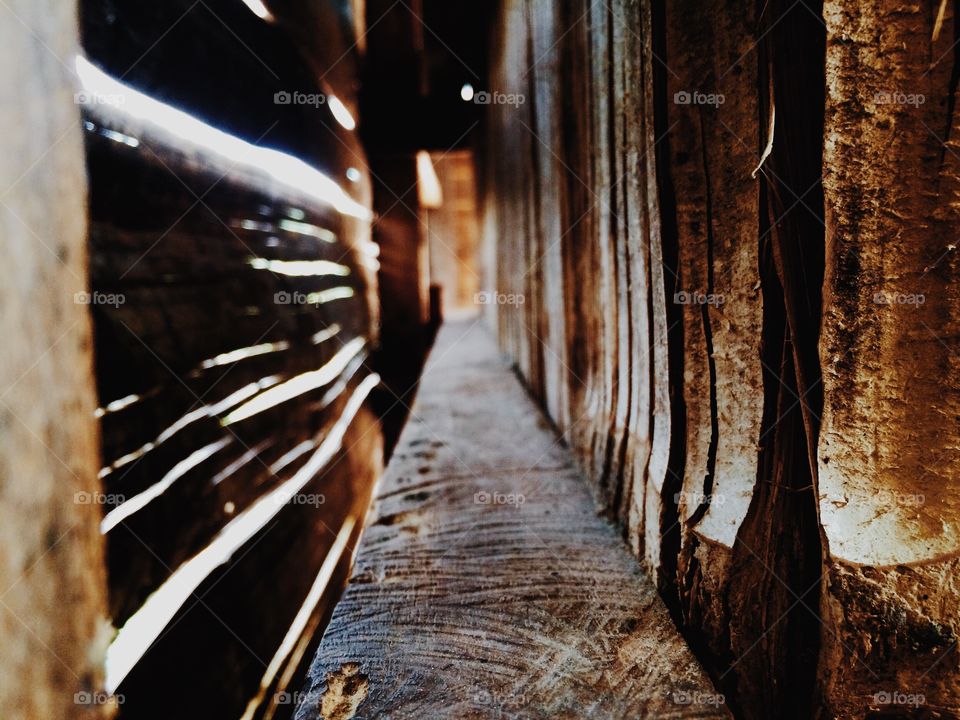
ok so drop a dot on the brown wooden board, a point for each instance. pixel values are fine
(486, 584)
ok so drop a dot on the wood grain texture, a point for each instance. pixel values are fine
(755, 210)
(888, 456)
(486, 585)
(715, 293)
(52, 579)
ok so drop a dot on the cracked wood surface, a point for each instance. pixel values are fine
(486, 583)
(729, 272)
(889, 452)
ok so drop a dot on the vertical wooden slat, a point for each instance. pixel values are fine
(691, 293)
(888, 461)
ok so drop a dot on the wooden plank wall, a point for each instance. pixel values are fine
(666, 201)
(233, 365)
(232, 372)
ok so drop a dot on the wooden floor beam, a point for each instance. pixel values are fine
(486, 583)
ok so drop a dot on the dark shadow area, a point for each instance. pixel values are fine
(254, 213)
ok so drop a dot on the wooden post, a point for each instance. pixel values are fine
(52, 584)
(888, 461)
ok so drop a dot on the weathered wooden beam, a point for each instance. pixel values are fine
(52, 580)
(486, 584)
(888, 459)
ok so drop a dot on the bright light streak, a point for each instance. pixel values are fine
(428, 184)
(303, 616)
(147, 623)
(240, 462)
(340, 113)
(127, 140)
(257, 225)
(244, 393)
(300, 228)
(324, 296)
(260, 10)
(297, 386)
(300, 268)
(233, 356)
(300, 450)
(325, 334)
(116, 406)
(141, 500)
(189, 131)
(339, 387)
(169, 432)
(126, 459)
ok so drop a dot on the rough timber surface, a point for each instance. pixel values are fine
(486, 583)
